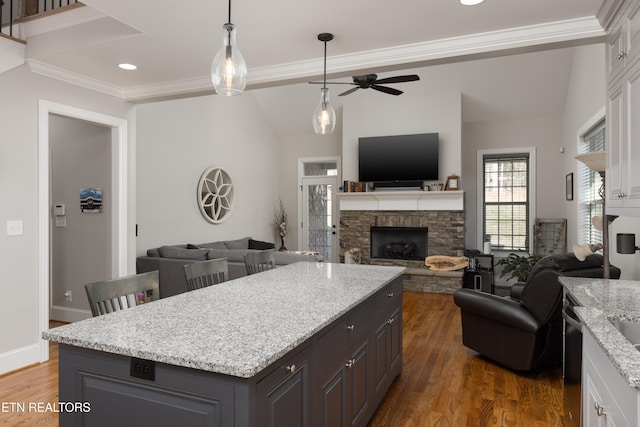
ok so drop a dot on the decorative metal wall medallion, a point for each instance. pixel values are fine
(215, 195)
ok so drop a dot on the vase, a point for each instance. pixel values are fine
(282, 246)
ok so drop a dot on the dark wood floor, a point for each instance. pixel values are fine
(442, 384)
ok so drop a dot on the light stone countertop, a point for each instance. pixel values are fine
(238, 327)
(602, 300)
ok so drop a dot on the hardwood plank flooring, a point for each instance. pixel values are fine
(442, 384)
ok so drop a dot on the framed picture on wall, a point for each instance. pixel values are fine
(569, 186)
(91, 199)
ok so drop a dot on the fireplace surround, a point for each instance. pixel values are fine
(441, 212)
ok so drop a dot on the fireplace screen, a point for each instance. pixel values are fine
(409, 243)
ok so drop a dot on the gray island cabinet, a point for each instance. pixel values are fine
(309, 344)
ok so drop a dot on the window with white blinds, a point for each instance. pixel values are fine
(589, 184)
(506, 201)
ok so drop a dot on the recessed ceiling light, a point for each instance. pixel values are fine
(127, 66)
(470, 2)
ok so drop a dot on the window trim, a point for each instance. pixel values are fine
(531, 151)
(591, 124)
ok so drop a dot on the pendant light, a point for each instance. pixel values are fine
(324, 117)
(228, 69)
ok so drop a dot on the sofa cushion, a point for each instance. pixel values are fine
(232, 255)
(183, 253)
(211, 245)
(237, 244)
(257, 244)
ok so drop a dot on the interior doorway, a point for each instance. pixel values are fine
(119, 185)
(318, 212)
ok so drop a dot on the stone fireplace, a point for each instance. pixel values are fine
(441, 226)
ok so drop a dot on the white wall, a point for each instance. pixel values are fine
(19, 173)
(80, 251)
(177, 140)
(544, 133)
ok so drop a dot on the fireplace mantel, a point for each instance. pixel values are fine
(391, 200)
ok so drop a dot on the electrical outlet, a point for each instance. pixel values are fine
(68, 295)
(144, 369)
(15, 228)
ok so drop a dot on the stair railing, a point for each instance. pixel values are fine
(14, 11)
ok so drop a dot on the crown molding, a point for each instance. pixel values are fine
(64, 75)
(412, 55)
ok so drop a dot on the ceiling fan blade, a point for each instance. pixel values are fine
(331, 83)
(388, 90)
(399, 79)
(353, 89)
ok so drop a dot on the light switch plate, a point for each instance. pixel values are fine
(15, 228)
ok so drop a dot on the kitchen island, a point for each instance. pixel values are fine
(305, 344)
(610, 362)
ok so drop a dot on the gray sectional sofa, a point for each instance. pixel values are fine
(170, 260)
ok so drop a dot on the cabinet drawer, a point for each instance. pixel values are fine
(389, 297)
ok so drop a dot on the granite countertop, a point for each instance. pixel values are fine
(602, 300)
(238, 327)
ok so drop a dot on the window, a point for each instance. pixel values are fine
(505, 206)
(589, 185)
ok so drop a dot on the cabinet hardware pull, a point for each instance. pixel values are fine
(390, 320)
(599, 409)
(350, 363)
(290, 368)
(390, 294)
(622, 54)
(350, 328)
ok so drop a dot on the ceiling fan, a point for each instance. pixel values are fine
(371, 81)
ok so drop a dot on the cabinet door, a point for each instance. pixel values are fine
(388, 350)
(615, 52)
(333, 400)
(632, 156)
(282, 396)
(592, 401)
(357, 376)
(615, 142)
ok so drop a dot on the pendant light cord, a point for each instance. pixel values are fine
(229, 21)
(324, 84)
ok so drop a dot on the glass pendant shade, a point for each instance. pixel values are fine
(324, 117)
(229, 70)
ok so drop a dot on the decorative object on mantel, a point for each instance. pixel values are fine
(280, 225)
(436, 186)
(446, 263)
(215, 195)
(228, 69)
(596, 161)
(453, 182)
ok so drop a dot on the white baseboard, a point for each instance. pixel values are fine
(69, 315)
(19, 358)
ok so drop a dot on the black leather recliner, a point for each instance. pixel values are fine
(524, 331)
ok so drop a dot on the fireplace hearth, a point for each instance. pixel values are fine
(407, 243)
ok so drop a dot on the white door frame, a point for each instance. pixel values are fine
(119, 181)
(301, 175)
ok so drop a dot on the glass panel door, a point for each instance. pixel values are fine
(318, 224)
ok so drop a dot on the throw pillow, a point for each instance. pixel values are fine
(260, 245)
(238, 244)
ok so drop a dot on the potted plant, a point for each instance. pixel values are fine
(518, 266)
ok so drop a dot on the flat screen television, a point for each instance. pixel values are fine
(399, 159)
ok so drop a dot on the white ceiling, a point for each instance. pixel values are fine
(173, 43)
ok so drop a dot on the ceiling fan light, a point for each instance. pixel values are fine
(324, 116)
(229, 69)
